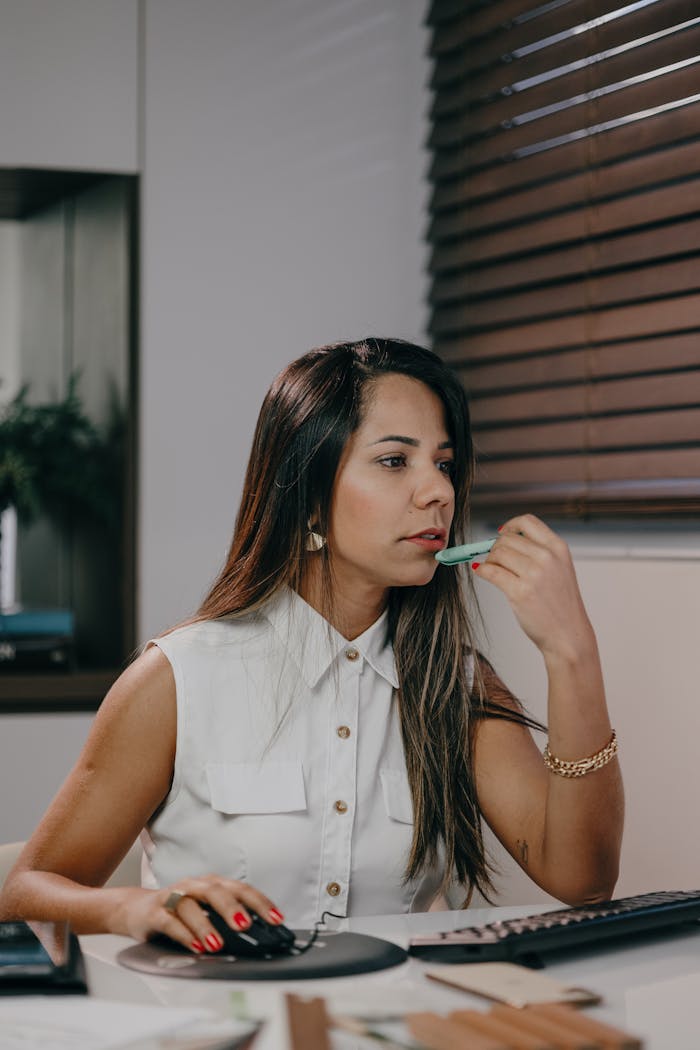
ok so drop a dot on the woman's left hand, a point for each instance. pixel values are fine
(533, 568)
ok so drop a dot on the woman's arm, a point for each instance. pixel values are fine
(566, 833)
(121, 777)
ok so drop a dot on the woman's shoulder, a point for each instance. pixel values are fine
(240, 630)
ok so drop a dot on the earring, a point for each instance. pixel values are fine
(314, 540)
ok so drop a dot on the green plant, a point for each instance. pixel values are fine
(55, 461)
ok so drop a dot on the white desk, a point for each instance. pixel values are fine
(652, 991)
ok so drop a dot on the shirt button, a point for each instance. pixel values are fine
(341, 807)
(332, 889)
(343, 732)
(352, 654)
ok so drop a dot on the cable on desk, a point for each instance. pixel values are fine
(316, 930)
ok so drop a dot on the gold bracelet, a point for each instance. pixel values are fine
(584, 765)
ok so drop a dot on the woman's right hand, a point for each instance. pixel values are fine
(143, 912)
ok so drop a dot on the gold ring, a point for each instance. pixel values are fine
(174, 898)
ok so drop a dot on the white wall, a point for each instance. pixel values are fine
(69, 79)
(283, 207)
(36, 752)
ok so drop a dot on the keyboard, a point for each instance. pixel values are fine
(525, 940)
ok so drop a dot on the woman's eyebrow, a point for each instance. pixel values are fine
(407, 441)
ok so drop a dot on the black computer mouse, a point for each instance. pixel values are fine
(259, 940)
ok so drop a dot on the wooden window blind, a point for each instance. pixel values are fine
(565, 247)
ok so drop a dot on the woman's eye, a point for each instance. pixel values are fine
(393, 461)
(447, 467)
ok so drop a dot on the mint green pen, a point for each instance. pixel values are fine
(467, 552)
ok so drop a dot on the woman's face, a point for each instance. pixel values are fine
(393, 498)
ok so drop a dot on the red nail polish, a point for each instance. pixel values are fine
(276, 916)
(198, 946)
(476, 564)
(214, 941)
(499, 529)
(241, 920)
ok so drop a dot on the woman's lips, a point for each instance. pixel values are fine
(428, 541)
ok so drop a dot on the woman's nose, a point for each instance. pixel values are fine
(434, 487)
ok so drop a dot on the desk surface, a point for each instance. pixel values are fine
(652, 990)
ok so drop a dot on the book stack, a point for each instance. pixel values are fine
(36, 640)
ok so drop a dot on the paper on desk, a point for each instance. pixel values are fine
(510, 983)
(77, 1023)
(357, 998)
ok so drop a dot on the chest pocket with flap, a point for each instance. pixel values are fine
(256, 787)
(397, 795)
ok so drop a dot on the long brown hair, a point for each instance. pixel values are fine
(306, 419)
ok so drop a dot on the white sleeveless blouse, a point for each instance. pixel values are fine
(289, 771)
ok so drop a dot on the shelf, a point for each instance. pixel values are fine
(54, 692)
(86, 225)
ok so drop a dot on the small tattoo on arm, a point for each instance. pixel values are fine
(522, 850)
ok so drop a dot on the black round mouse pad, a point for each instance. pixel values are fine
(331, 955)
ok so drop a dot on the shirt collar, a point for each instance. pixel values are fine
(314, 644)
(377, 650)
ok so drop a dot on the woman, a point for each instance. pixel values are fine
(321, 729)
